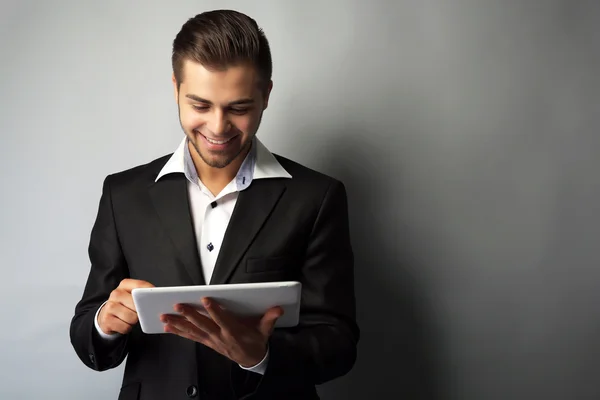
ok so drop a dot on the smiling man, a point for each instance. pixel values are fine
(220, 209)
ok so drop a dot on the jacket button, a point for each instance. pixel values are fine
(192, 391)
(92, 358)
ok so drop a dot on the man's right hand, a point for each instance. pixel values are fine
(118, 315)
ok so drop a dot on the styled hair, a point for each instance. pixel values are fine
(220, 39)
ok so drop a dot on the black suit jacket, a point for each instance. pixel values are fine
(281, 229)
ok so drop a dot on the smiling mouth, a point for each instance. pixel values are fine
(212, 141)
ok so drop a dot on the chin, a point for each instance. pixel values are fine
(217, 162)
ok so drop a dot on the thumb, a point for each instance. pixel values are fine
(267, 322)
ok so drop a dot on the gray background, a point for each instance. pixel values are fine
(465, 131)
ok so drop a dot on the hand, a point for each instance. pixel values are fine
(242, 340)
(118, 315)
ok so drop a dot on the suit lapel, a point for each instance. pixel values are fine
(253, 207)
(170, 199)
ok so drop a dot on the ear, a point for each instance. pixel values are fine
(175, 89)
(267, 95)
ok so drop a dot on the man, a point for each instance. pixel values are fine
(221, 209)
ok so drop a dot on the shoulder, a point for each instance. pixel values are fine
(303, 173)
(138, 176)
(308, 180)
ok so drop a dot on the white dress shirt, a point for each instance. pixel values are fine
(211, 214)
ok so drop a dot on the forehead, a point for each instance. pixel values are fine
(220, 85)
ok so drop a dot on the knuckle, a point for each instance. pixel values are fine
(110, 307)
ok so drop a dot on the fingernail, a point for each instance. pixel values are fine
(206, 302)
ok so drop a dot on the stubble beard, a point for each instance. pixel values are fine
(221, 160)
(218, 162)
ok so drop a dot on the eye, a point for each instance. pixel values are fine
(199, 108)
(238, 111)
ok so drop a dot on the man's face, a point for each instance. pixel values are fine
(220, 111)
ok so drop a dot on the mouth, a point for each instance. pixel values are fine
(219, 142)
(214, 144)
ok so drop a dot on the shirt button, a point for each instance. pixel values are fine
(192, 391)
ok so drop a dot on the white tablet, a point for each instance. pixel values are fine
(244, 299)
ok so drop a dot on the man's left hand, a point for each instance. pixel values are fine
(242, 340)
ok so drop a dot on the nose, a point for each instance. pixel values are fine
(219, 124)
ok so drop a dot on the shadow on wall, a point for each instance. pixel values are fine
(396, 354)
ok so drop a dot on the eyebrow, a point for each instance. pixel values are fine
(233, 103)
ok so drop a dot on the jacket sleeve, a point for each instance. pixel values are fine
(108, 268)
(324, 344)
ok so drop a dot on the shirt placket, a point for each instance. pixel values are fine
(213, 229)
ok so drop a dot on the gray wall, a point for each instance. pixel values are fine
(465, 131)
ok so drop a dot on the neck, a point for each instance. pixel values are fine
(215, 179)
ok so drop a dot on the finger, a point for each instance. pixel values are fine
(175, 331)
(122, 312)
(129, 284)
(202, 322)
(221, 317)
(182, 327)
(115, 325)
(167, 318)
(168, 328)
(267, 322)
(123, 297)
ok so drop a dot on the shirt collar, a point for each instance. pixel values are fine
(260, 163)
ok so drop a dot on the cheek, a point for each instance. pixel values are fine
(243, 126)
(247, 124)
(191, 120)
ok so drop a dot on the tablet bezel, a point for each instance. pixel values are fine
(244, 299)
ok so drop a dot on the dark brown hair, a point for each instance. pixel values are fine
(220, 39)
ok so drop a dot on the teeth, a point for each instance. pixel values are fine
(218, 142)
